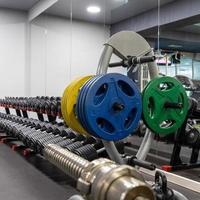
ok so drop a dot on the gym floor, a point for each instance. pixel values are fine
(34, 178)
(20, 180)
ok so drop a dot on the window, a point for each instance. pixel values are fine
(185, 67)
(196, 68)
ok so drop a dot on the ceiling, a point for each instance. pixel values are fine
(112, 10)
(18, 4)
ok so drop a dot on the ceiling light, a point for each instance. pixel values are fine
(175, 46)
(93, 9)
(123, 1)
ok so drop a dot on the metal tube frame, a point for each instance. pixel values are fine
(148, 138)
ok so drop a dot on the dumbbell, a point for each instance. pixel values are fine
(15, 128)
(43, 103)
(19, 130)
(61, 129)
(48, 130)
(3, 102)
(12, 101)
(38, 132)
(34, 104)
(55, 106)
(5, 125)
(2, 115)
(22, 103)
(89, 140)
(12, 128)
(38, 105)
(31, 139)
(70, 135)
(21, 120)
(92, 151)
(15, 103)
(23, 132)
(69, 144)
(47, 127)
(18, 104)
(17, 119)
(30, 103)
(48, 140)
(75, 143)
(7, 101)
(48, 103)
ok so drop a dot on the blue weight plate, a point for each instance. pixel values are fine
(80, 100)
(112, 107)
(90, 85)
(80, 106)
(78, 103)
(84, 94)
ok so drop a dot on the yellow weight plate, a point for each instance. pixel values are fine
(68, 103)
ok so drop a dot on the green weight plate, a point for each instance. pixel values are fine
(165, 105)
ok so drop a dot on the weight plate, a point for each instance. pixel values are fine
(84, 91)
(165, 105)
(68, 104)
(109, 106)
(80, 106)
(187, 84)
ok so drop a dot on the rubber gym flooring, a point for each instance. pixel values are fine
(21, 180)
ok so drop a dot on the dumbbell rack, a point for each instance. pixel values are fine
(22, 106)
(37, 133)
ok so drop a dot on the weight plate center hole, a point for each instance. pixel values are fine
(118, 107)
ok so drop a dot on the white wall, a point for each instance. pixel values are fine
(12, 53)
(42, 58)
(61, 51)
